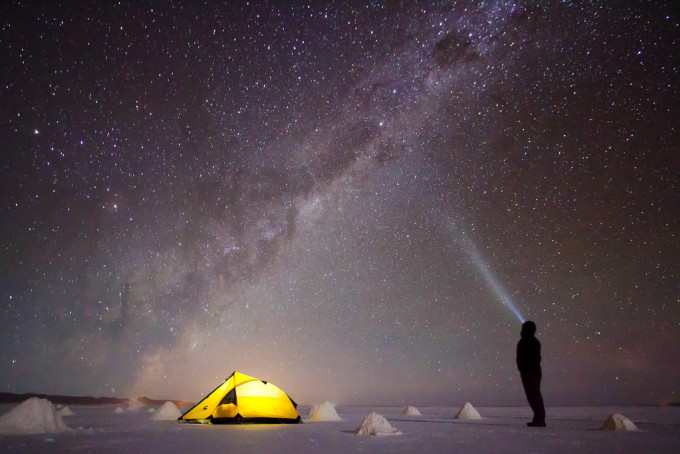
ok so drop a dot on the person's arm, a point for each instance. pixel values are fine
(520, 356)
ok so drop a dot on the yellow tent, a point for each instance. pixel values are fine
(244, 399)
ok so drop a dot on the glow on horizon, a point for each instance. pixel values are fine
(483, 267)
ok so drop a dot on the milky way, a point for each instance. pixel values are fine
(188, 190)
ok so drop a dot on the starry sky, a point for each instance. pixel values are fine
(344, 198)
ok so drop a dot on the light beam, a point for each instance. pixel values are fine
(484, 269)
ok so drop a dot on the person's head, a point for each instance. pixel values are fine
(528, 329)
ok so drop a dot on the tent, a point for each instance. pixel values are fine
(242, 398)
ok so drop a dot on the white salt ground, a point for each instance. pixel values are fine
(32, 416)
(503, 429)
(324, 412)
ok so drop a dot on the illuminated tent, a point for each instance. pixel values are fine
(244, 399)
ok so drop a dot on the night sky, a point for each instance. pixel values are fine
(344, 198)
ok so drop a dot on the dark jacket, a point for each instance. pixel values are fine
(529, 354)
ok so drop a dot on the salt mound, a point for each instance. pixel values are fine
(119, 410)
(151, 410)
(617, 421)
(375, 424)
(66, 412)
(411, 411)
(467, 411)
(168, 411)
(135, 405)
(32, 416)
(324, 412)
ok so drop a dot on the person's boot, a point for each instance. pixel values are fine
(536, 424)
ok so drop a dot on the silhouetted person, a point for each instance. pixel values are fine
(529, 365)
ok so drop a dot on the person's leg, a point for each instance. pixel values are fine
(540, 408)
(532, 389)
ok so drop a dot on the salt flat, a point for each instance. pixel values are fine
(97, 429)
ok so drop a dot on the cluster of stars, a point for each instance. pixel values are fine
(270, 188)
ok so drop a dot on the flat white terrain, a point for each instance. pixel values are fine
(97, 429)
